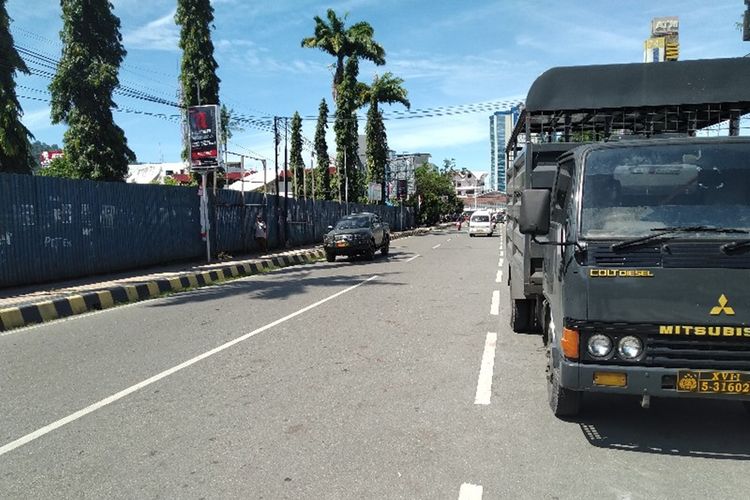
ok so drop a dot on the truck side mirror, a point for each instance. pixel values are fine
(330, 228)
(534, 215)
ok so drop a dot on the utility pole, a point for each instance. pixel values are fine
(277, 215)
(286, 177)
(346, 184)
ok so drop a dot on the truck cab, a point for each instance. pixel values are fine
(645, 243)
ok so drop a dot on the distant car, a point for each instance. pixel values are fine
(357, 234)
(480, 223)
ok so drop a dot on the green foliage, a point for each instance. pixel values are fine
(387, 90)
(435, 189)
(198, 68)
(449, 166)
(335, 39)
(346, 128)
(323, 174)
(60, 167)
(296, 163)
(82, 90)
(15, 150)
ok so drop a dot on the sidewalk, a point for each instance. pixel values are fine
(21, 306)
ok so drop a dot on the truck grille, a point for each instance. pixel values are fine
(697, 354)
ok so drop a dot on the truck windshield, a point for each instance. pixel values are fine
(629, 191)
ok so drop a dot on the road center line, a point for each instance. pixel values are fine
(415, 257)
(437, 246)
(495, 307)
(499, 277)
(470, 492)
(130, 390)
(484, 384)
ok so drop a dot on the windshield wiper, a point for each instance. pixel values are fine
(669, 232)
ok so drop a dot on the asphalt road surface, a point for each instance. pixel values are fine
(397, 378)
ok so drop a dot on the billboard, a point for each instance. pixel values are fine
(47, 156)
(661, 26)
(204, 136)
(653, 49)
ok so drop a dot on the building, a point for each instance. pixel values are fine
(469, 184)
(501, 126)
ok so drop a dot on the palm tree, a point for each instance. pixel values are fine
(387, 89)
(341, 42)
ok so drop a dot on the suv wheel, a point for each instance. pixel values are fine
(330, 256)
(386, 247)
(370, 253)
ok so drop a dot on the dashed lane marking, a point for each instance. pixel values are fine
(484, 384)
(470, 492)
(415, 257)
(437, 246)
(500, 262)
(499, 277)
(495, 306)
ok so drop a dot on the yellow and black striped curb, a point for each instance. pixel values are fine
(16, 317)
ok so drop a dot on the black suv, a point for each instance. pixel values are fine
(357, 234)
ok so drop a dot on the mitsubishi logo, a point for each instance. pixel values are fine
(722, 307)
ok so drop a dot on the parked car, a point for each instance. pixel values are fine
(480, 223)
(357, 234)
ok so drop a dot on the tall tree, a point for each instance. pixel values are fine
(323, 174)
(15, 149)
(198, 68)
(296, 163)
(82, 88)
(351, 183)
(384, 90)
(334, 38)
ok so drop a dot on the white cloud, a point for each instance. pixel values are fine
(37, 119)
(160, 34)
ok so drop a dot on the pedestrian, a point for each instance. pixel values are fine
(261, 233)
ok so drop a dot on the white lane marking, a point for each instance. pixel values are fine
(130, 390)
(409, 260)
(484, 384)
(437, 246)
(470, 492)
(499, 277)
(500, 262)
(448, 240)
(495, 307)
(502, 253)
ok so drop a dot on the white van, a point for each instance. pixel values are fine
(480, 223)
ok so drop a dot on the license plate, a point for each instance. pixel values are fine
(713, 382)
(341, 244)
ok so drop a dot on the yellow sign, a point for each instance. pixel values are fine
(620, 273)
(722, 307)
(701, 330)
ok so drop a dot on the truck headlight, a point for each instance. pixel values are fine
(630, 348)
(599, 346)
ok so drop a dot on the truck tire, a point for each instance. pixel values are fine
(519, 315)
(330, 256)
(563, 402)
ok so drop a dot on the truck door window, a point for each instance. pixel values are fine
(562, 191)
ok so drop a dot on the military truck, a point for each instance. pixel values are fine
(628, 234)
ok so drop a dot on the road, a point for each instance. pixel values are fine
(397, 378)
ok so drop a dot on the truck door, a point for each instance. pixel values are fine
(560, 227)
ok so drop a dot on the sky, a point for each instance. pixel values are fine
(450, 53)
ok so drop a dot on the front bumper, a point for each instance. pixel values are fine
(480, 230)
(351, 248)
(641, 380)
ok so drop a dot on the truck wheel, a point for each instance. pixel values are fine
(563, 402)
(519, 315)
(330, 256)
(386, 247)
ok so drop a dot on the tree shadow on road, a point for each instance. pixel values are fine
(280, 284)
(695, 428)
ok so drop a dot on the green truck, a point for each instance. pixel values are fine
(628, 231)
